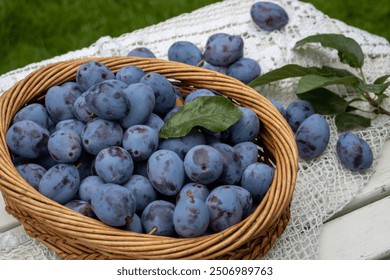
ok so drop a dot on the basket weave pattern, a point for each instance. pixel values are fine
(74, 236)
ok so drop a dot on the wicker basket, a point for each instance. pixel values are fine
(74, 236)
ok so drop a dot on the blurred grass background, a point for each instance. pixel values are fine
(32, 31)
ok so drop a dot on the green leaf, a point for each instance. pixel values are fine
(324, 101)
(215, 113)
(379, 98)
(351, 108)
(310, 82)
(374, 88)
(348, 121)
(285, 72)
(349, 51)
(356, 99)
(382, 79)
(294, 70)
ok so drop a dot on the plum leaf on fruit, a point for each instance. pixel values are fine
(215, 113)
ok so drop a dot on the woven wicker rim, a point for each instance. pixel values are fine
(73, 231)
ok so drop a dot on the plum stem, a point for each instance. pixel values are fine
(153, 230)
(191, 196)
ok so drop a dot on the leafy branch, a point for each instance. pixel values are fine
(314, 81)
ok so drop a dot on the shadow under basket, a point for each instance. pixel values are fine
(74, 236)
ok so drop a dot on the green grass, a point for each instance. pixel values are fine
(372, 16)
(31, 31)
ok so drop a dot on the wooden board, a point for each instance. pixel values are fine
(6, 220)
(378, 186)
(361, 234)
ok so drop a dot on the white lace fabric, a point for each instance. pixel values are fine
(323, 185)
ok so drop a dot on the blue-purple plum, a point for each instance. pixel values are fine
(91, 73)
(85, 164)
(354, 152)
(107, 100)
(225, 208)
(64, 146)
(245, 129)
(312, 137)
(72, 86)
(116, 83)
(113, 204)
(140, 141)
(219, 69)
(81, 110)
(185, 52)
(35, 112)
(130, 74)
(143, 99)
(245, 198)
(82, 207)
(248, 153)
(191, 216)
(99, 134)
(135, 225)
(46, 161)
(32, 173)
(257, 179)
(60, 183)
(297, 111)
(143, 191)
(141, 52)
(27, 139)
(197, 93)
(172, 112)
(223, 49)
(166, 172)
(155, 122)
(198, 190)
(203, 164)
(71, 124)
(59, 102)
(88, 185)
(245, 70)
(268, 16)
(164, 92)
(279, 106)
(114, 165)
(157, 218)
(232, 167)
(182, 145)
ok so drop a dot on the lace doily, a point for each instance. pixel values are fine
(323, 186)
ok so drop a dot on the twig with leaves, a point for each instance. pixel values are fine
(313, 83)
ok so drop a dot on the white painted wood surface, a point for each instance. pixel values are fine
(361, 234)
(6, 221)
(378, 186)
(361, 230)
